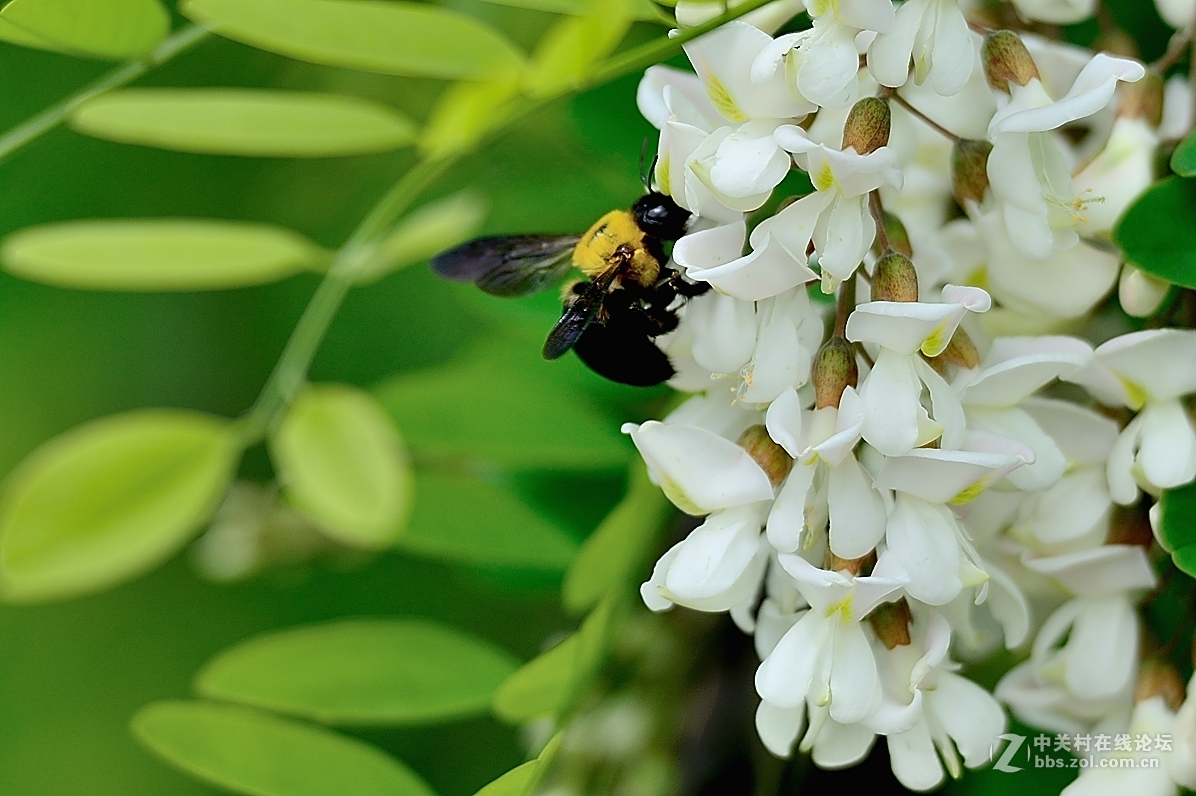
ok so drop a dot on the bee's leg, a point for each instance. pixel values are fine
(685, 288)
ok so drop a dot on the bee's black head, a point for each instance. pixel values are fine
(659, 216)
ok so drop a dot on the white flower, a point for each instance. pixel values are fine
(935, 34)
(1060, 12)
(826, 483)
(1065, 284)
(1027, 170)
(1179, 14)
(1148, 370)
(826, 655)
(823, 61)
(895, 421)
(697, 469)
(1084, 659)
(1090, 644)
(1139, 293)
(836, 216)
(776, 263)
(1076, 509)
(1121, 173)
(716, 568)
(1152, 718)
(1014, 368)
(956, 718)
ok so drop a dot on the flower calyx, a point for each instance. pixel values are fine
(1157, 677)
(867, 127)
(1006, 60)
(770, 456)
(969, 170)
(890, 622)
(834, 369)
(894, 278)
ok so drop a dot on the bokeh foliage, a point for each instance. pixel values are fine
(517, 460)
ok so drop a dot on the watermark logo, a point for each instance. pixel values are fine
(1082, 750)
(1015, 743)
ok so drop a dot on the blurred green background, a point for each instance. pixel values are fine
(71, 674)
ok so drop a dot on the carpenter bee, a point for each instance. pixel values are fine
(612, 320)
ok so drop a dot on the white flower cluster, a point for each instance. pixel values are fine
(935, 464)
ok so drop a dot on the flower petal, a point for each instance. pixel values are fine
(785, 676)
(855, 682)
(697, 469)
(857, 512)
(914, 759)
(779, 727)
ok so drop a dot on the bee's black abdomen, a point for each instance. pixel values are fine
(623, 354)
(659, 216)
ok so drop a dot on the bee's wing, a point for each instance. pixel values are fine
(578, 315)
(516, 265)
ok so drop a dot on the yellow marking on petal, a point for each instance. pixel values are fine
(1134, 393)
(662, 175)
(936, 342)
(969, 493)
(673, 491)
(721, 99)
(819, 7)
(843, 609)
(823, 179)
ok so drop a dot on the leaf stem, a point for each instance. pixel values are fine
(290, 372)
(33, 128)
(878, 217)
(943, 131)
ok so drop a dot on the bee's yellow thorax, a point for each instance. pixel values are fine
(599, 249)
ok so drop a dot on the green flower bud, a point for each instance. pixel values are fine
(1006, 60)
(969, 170)
(834, 369)
(894, 278)
(771, 457)
(961, 351)
(867, 126)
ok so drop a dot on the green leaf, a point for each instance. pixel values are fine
(540, 687)
(515, 782)
(613, 554)
(245, 122)
(464, 113)
(1183, 160)
(395, 38)
(344, 465)
(1177, 526)
(503, 411)
(524, 779)
(14, 34)
(112, 29)
(151, 254)
(551, 683)
(361, 672)
(573, 45)
(109, 500)
(256, 754)
(640, 9)
(461, 518)
(433, 228)
(1152, 232)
